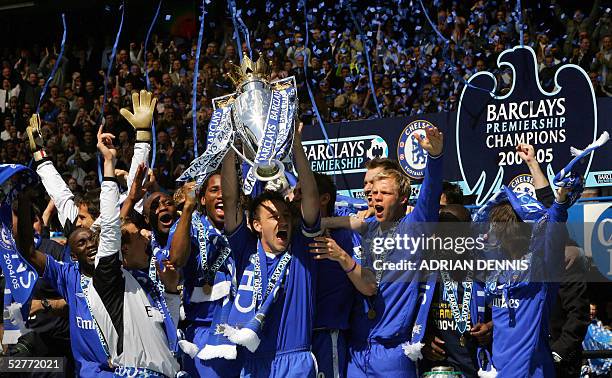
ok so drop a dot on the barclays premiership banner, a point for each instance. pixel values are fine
(480, 138)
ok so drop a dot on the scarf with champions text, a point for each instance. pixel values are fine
(20, 276)
(248, 312)
(212, 243)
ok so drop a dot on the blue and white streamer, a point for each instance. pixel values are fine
(520, 21)
(55, 66)
(315, 108)
(245, 31)
(231, 4)
(220, 135)
(111, 61)
(366, 51)
(194, 89)
(153, 132)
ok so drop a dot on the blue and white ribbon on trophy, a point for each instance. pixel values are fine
(277, 131)
(220, 136)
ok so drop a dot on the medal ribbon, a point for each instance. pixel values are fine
(451, 292)
(379, 272)
(85, 282)
(157, 252)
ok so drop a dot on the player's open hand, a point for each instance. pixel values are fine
(144, 106)
(432, 142)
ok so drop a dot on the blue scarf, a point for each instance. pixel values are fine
(566, 178)
(212, 242)
(412, 348)
(246, 322)
(20, 276)
(159, 254)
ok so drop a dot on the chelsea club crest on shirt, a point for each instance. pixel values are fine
(523, 184)
(413, 158)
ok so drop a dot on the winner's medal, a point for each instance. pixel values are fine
(460, 316)
(371, 314)
(207, 289)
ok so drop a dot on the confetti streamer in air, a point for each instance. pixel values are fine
(154, 134)
(55, 66)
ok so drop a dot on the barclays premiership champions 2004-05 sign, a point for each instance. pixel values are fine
(480, 138)
(480, 141)
(494, 125)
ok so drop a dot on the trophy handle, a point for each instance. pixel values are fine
(241, 155)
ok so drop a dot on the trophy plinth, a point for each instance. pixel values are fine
(268, 172)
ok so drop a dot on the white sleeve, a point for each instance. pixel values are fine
(110, 225)
(59, 192)
(173, 302)
(141, 155)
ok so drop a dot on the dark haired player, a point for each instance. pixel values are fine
(275, 273)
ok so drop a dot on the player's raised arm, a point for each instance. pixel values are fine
(310, 193)
(110, 233)
(55, 186)
(231, 193)
(527, 153)
(428, 203)
(181, 242)
(144, 107)
(25, 233)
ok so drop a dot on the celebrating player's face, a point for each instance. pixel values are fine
(386, 201)
(84, 219)
(273, 223)
(134, 247)
(83, 246)
(165, 213)
(368, 181)
(213, 201)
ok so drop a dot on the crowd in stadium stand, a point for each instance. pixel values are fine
(413, 71)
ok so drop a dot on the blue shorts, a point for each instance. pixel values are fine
(331, 351)
(282, 365)
(217, 367)
(381, 361)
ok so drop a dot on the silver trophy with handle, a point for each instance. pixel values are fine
(262, 118)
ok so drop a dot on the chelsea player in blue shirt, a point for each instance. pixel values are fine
(522, 299)
(385, 321)
(275, 274)
(207, 278)
(335, 292)
(70, 280)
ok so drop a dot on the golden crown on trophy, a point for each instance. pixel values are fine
(249, 70)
